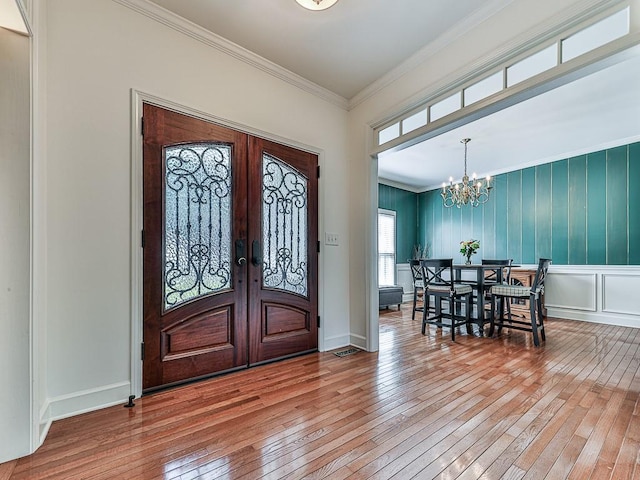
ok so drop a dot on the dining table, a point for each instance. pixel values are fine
(477, 281)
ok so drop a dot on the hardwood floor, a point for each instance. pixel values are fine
(422, 407)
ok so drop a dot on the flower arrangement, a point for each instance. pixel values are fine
(468, 248)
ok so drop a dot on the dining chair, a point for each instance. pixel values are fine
(418, 287)
(491, 278)
(534, 293)
(437, 277)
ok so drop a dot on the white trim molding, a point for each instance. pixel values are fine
(89, 400)
(358, 341)
(138, 98)
(190, 29)
(338, 341)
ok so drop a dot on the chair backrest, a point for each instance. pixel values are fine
(416, 270)
(541, 274)
(492, 275)
(437, 272)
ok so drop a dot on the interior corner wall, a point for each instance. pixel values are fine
(97, 52)
(15, 401)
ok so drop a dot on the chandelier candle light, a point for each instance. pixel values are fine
(468, 191)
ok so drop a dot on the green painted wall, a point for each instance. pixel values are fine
(583, 210)
(404, 204)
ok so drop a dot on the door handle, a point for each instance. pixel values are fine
(241, 258)
(256, 253)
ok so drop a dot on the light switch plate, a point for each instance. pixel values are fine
(331, 238)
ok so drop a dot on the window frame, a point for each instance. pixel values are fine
(393, 255)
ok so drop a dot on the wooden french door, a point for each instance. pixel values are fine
(230, 249)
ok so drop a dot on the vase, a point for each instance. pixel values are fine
(468, 260)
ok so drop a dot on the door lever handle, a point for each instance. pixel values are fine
(256, 254)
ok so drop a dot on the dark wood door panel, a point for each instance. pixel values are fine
(219, 292)
(189, 333)
(283, 307)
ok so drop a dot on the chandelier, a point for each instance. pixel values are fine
(468, 191)
(316, 4)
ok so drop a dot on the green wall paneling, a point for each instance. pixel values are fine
(634, 204)
(617, 206)
(477, 218)
(488, 228)
(582, 210)
(596, 208)
(560, 212)
(578, 210)
(500, 192)
(404, 203)
(528, 216)
(447, 234)
(437, 227)
(460, 228)
(543, 211)
(514, 216)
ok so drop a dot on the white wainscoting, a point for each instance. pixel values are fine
(405, 280)
(592, 293)
(603, 294)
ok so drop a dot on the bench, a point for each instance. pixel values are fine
(391, 295)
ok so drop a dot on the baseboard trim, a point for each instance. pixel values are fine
(358, 341)
(89, 400)
(338, 341)
(44, 423)
(598, 317)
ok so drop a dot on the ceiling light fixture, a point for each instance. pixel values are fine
(468, 191)
(316, 4)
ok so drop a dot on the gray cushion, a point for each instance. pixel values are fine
(458, 288)
(513, 290)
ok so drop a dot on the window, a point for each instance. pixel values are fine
(386, 247)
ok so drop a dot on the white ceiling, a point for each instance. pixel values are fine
(349, 47)
(344, 48)
(11, 17)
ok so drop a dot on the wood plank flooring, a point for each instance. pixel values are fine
(422, 407)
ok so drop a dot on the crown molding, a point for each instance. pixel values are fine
(467, 24)
(171, 20)
(542, 32)
(399, 185)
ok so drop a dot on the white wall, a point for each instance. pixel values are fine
(15, 408)
(96, 53)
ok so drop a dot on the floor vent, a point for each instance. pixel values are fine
(348, 351)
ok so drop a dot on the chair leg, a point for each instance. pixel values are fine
(415, 301)
(492, 315)
(540, 318)
(453, 306)
(424, 320)
(501, 317)
(467, 316)
(534, 323)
